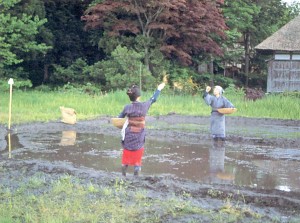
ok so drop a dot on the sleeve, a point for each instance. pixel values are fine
(228, 104)
(155, 96)
(207, 98)
(123, 113)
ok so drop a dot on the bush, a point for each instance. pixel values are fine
(80, 88)
(75, 73)
(19, 84)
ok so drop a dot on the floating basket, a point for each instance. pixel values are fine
(227, 111)
(68, 115)
(118, 122)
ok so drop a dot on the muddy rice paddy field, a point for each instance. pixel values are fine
(258, 165)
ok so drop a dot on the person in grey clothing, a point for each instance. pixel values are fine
(217, 120)
(133, 138)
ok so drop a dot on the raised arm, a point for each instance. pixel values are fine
(206, 96)
(157, 93)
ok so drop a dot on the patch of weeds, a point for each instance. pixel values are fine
(36, 182)
(140, 195)
(92, 188)
(2, 169)
(214, 193)
(63, 184)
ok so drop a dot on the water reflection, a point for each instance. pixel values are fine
(68, 138)
(216, 163)
(207, 161)
(9, 145)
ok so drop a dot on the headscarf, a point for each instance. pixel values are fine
(220, 89)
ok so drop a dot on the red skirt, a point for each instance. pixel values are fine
(132, 158)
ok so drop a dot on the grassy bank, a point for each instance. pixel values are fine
(42, 198)
(44, 106)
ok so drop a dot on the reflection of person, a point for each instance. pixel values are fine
(133, 132)
(217, 120)
(216, 159)
(216, 163)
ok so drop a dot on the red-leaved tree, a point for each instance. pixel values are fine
(181, 28)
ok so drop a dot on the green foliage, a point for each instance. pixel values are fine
(69, 199)
(87, 88)
(75, 73)
(182, 79)
(125, 68)
(44, 106)
(17, 34)
(223, 81)
(19, 84)
(232, 90)
(44, 88)
(22, 84)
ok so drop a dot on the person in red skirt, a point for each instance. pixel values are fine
(133, 132)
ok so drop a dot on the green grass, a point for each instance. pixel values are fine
(34, 106)
(68, 199)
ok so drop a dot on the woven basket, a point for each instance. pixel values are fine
(227, 111)
(118, 122)
(68, 115)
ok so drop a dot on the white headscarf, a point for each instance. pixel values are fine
(220, 89)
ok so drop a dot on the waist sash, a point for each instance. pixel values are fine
(136, 124)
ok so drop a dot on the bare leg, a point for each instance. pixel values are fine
(137, 169)
(124, 168)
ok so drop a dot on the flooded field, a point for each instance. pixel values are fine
(257, 166)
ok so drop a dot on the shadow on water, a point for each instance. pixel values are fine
(263, 167)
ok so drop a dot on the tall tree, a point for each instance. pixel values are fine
(255, 20)
(69, 40)
(180, 28)
(18, 33)
(240, 15)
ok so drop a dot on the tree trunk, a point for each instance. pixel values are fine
(146, 59)
(211, 71)
(247, 57)
(46, 73)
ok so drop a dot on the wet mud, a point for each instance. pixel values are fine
(181, 159)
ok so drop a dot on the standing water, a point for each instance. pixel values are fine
(264, 167)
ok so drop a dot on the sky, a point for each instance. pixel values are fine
(290, 1)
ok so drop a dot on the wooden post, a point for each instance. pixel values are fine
(141, 76)
(10, 82)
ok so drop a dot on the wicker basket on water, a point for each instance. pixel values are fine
(118, 122)
(68, 115)
(227, 111)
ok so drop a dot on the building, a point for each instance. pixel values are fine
(284, 64)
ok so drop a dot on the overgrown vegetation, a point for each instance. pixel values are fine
(31, 106)
(66, 198)
(45, 42)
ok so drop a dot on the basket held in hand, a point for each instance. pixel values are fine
(227, 111)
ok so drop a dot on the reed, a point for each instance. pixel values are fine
(34, 106)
